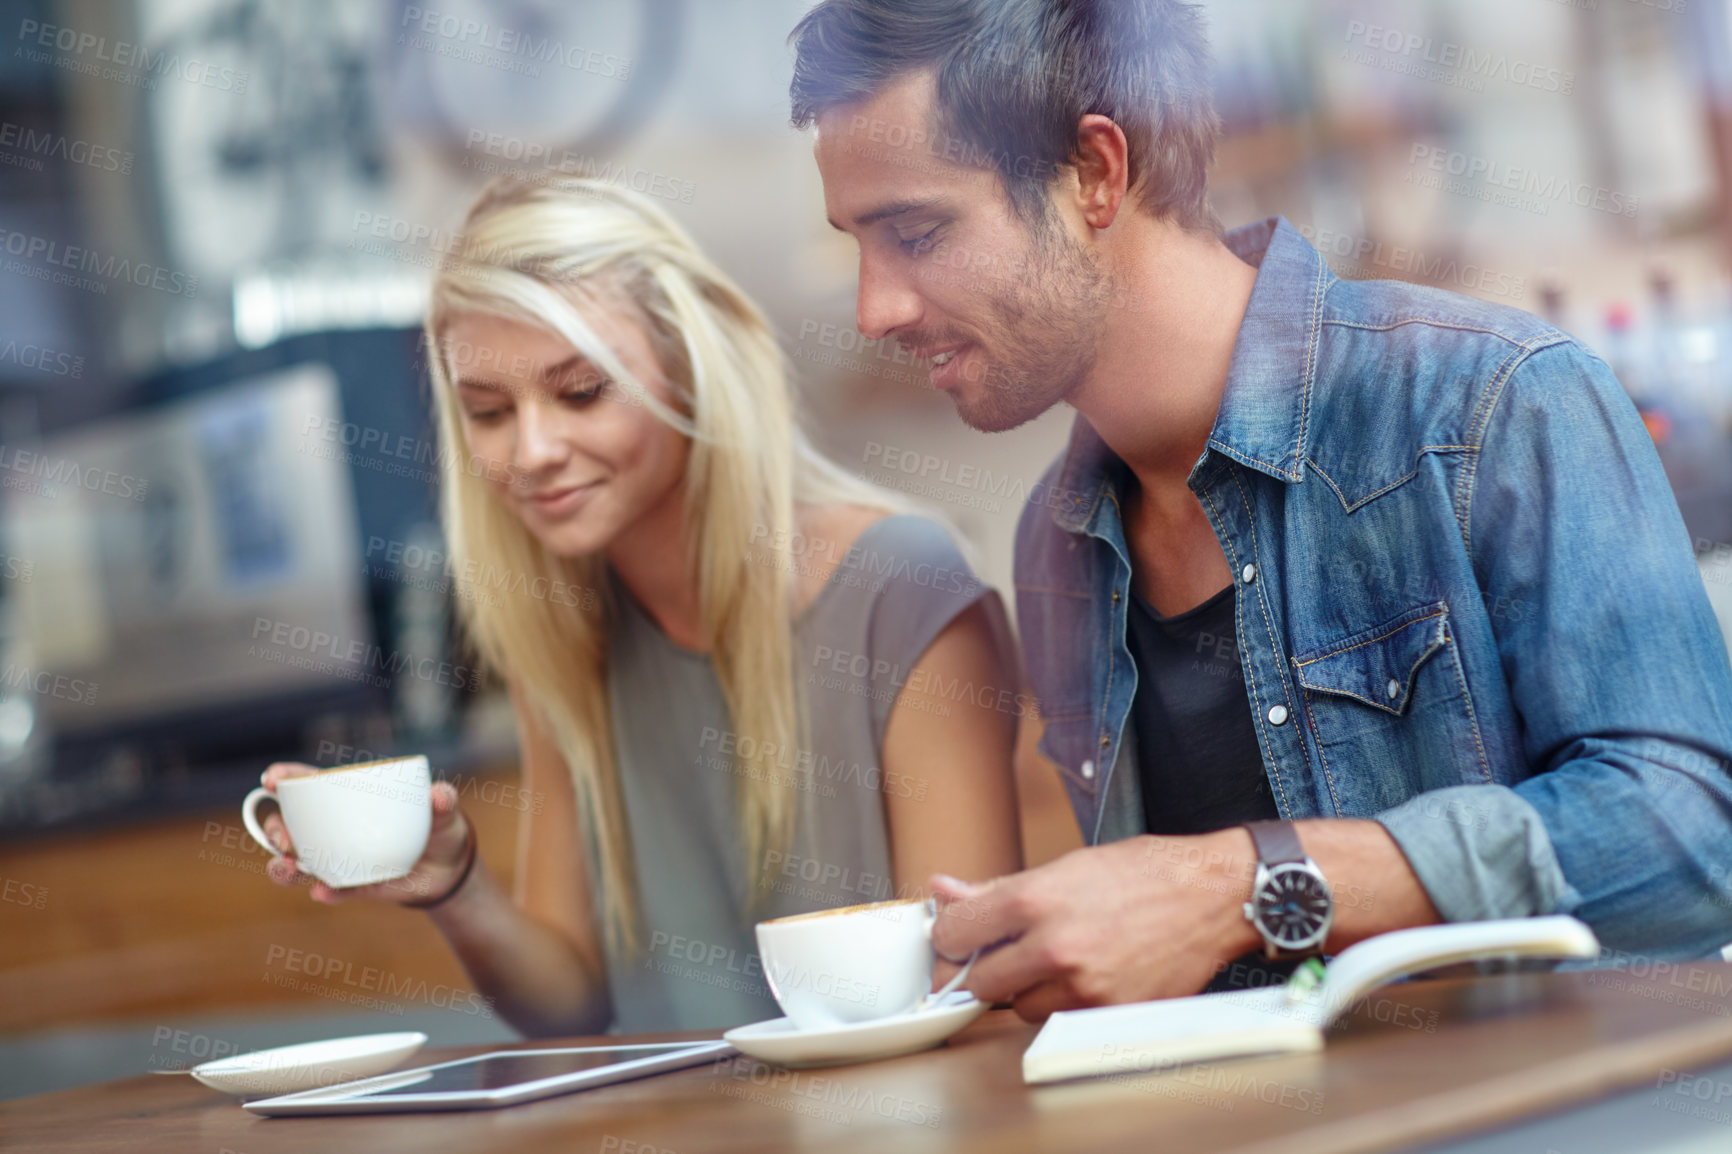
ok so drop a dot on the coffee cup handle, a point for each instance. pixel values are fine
(956, 982)
(961, 975)
(251, 821)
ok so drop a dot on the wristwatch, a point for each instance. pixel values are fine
(1290, 905)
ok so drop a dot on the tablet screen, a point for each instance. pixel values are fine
(496, 1071)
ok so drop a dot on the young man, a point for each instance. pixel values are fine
(1350, 607)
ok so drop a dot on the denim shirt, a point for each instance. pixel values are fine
(1467, 607)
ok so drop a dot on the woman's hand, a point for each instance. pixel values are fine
(431, 877)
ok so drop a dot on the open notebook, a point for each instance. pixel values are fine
(1152, 1036)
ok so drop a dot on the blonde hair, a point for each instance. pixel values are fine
(531, 250)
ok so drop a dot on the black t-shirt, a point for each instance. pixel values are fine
(1197, 750)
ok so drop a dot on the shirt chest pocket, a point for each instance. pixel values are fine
(1389, 713)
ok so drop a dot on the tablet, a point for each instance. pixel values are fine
(503, 1078)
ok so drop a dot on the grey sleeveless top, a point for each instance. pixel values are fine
(855, 646)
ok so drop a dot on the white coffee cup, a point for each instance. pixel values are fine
(852, 964)
(355, 825)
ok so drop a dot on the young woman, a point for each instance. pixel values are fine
(747, 684)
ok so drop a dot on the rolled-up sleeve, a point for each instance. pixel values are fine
(1481, 852)
(1617, 670)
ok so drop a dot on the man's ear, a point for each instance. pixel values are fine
(1102, 169)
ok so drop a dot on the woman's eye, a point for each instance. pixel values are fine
(485, 415)
(585, 393)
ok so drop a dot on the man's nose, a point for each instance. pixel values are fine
(887, 301)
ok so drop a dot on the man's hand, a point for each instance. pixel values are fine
(1153, 916)
(1148, 917)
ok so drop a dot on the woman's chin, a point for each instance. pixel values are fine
(579, 537)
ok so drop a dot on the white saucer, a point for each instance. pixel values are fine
(309, 1065)
(780, 1041)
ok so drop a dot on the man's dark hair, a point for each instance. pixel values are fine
(1015, 76)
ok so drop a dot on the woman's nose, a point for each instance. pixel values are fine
(541, 438)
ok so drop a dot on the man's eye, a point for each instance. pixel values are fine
(920, 245)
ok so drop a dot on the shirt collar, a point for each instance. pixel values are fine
(1261, 421)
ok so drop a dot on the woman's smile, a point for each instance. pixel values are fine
(563, 500)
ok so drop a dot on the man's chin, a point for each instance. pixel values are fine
(995, 413)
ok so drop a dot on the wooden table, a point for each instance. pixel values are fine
(1415, 1063)
(164, 919)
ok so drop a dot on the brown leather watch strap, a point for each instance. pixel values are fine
(1276, 841)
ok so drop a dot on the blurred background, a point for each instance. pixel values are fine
(217, 543)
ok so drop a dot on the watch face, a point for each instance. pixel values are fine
(1293, 906)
